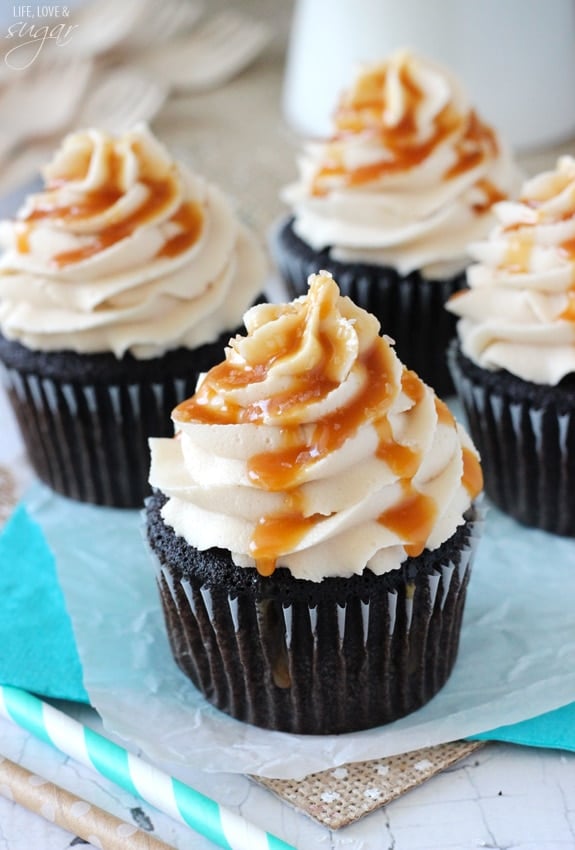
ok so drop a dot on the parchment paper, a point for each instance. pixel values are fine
(516, 658)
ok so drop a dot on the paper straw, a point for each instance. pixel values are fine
(207, 817)
(63, 808)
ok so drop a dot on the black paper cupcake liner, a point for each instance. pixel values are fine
(411, 308)
(525, 434)
(86, 419)
(313, 658)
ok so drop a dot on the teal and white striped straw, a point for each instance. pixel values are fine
(220, 825)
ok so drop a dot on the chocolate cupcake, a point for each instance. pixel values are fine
(313, 524)
(389, 203)
(121, 281)
(514, 361)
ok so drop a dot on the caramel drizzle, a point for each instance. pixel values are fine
(364, 112)
(492, 196)
(518, 253)
(477, 143)
(160, 197)
(22, 232)
(472, 478)
(282, 470)
(444, 414)
(412, 519)
(517, 258)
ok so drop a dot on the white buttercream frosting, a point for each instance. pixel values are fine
(408, 177)
(311, 447)
(124, 250)
(519, 313)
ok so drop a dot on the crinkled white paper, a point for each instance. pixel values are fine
(516, 658)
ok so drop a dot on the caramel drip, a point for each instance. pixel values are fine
(412, 385)
(161, 196)
(197, 408)
(22, 238)
(444, 415)
(191, 219)
(412, 519)
(273, 631)
(276, 534)
(93, 203)
(266, 566)
(567, 248)
(472, 478)
(402, 460)
(568, 314)
(492, 196)
(477, 143)
(518, 255)
(458, 293)
(365, 106)
(365, 110)
(264, 541)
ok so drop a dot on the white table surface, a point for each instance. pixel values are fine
(501, 796)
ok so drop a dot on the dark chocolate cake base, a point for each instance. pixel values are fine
(525, 434)
(312, 658)
(411, 308)
(85, 418)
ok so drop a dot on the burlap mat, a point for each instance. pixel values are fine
(340, 796)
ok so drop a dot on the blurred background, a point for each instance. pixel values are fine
(231, 87)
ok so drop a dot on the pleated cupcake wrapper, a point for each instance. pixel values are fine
(90, 442)
(527, 454)
(411, 309)
(324, 668)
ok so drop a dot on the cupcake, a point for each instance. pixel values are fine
(120, 282)
(514, 361)
(313, 523)
(389, 203)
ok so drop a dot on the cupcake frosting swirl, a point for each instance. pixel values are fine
(124, 250)
(519, 313)
(408, 177)
(311, 447)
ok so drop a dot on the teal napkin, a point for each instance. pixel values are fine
(554, 729)
(37, 647)
(38, 650)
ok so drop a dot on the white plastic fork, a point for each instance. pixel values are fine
(101, 25)
(213, 53)
(39, 102)
(162, 21)
(120, 99)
